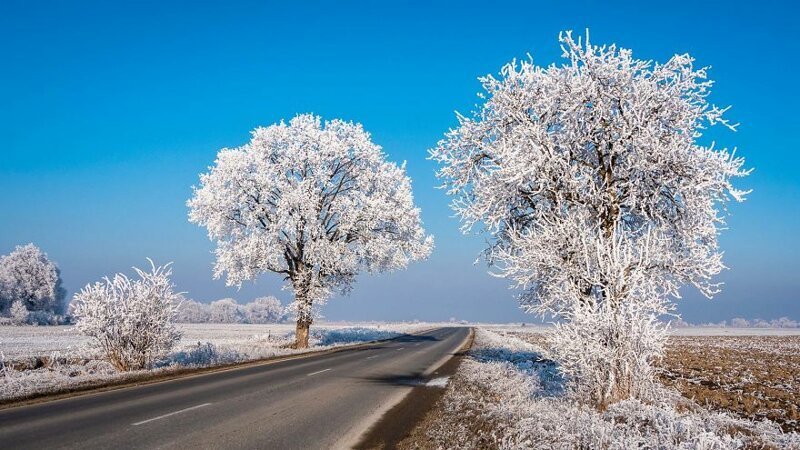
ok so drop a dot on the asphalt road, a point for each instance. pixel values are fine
(321, 401)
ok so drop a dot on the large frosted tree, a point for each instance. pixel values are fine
(600, 200)
(316, 203)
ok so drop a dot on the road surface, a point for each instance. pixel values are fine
(322, 401)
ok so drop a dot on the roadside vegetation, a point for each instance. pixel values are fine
(509, 394)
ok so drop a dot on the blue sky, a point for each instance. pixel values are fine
(109, 112)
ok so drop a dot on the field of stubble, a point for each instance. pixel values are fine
(755, 377)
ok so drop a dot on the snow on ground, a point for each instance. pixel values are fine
(506, 395)
(65, 361)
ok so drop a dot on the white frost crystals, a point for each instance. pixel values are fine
(131, 321)
(317, 203)
(600, 201)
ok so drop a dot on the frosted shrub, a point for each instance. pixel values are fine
(357, 334)
(600, 201)
(607, 355)
(206, 354)
(131, 321)
(19, 313)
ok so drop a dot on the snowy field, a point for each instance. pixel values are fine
(26, 341)
(506, 394)
(47, 359)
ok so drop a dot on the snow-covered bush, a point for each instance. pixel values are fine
(314, 202)
(205, 354)
(599, 198)
(131, 321)
(28, 276)
(356, 334)
(19, 313)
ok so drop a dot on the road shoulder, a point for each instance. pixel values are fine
(399, 421)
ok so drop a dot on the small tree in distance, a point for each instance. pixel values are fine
(27, 275)
(600, 201)
(264, 310)
(314, 203)
(225, 310)
(131, 322)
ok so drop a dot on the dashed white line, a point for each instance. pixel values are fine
(319, 371)
(400, 348)
(373, 356)
(170, 414)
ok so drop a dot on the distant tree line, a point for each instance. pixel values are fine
(738, 322)
(227, 310)
(31, 292)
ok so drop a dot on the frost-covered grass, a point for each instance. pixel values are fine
(505, 395)
(40, 360)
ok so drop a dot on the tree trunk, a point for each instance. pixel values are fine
(304, 314)
(301, 333)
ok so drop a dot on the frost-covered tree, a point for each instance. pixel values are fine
(316, 203)
(191, 311)
(19, 313)
(130, 321)
(225, 310)
(599, 198)
(28, 276)
(738, 322)
(264, 310)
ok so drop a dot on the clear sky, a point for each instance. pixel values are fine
(108, 113)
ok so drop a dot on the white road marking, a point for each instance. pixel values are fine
(170, 414)
(416, 345)
(400, 348)
(373, 356)
(319, 371)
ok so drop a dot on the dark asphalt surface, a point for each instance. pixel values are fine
(321, 401)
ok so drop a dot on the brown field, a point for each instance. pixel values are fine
(753, 377)
(750, 376)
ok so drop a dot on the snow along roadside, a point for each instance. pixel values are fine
(504, 395)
